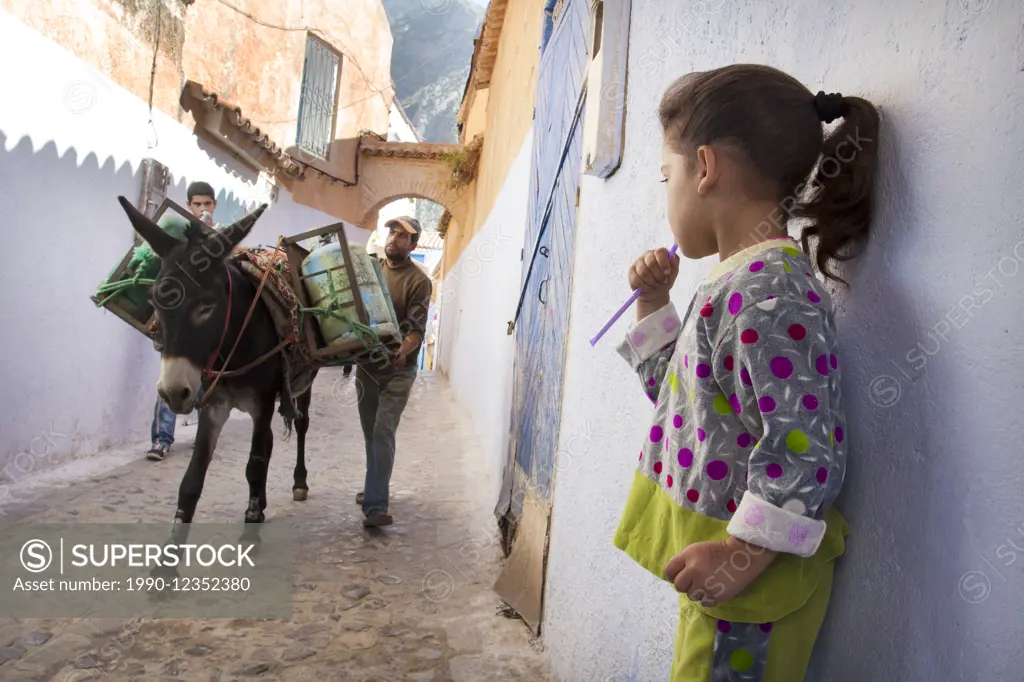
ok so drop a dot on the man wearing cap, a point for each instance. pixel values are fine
(384, 383)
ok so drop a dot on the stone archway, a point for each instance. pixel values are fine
(396, 170)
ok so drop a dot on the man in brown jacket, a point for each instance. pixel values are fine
(384, 383)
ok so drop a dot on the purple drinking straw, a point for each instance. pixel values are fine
(625, 306)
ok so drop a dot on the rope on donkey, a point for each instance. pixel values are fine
(144, 263)
(117, 288)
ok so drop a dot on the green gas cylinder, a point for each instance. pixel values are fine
(332, 289)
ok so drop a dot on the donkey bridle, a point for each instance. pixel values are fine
(208, 371)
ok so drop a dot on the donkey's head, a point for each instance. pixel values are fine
(190, 299)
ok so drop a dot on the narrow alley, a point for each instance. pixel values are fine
(412, 602)
(794, 456)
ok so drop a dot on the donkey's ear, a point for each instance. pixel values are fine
(161, 242)
(239, 230)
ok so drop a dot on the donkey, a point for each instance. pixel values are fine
(203, 302)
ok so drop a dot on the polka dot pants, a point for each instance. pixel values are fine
(741, 651)
(711, 649)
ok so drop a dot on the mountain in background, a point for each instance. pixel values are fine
(430, 60)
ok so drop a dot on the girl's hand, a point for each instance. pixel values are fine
(715, 572)
(654, 273)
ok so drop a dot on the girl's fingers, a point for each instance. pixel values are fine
(634, 276)
(648, 281)
(664, 262)
(656, 269)
(684, 583)
(674, 566)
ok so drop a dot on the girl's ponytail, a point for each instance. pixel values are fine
(776, 122)
(840, 197)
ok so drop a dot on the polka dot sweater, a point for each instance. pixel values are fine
(748, 423)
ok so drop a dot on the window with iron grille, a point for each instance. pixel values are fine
(319, 94)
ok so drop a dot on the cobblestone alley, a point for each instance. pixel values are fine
(412, 602)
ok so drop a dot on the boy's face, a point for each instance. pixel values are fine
(200, 203)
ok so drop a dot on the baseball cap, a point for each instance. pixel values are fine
(410, 225)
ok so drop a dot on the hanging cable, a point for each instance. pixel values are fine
(152, 75)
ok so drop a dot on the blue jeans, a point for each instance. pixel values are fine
(162, 430)
(381, 402)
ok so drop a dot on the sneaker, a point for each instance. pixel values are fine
(359, 498)
(158, 452)
(377, 519)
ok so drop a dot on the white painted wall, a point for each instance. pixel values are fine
(77, 379)
(475, 302)
(935, 487)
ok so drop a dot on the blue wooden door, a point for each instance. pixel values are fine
(543, 324)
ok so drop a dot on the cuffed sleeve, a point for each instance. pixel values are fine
(773, 363)
(650, 336)
(780, 530)
(649, 346)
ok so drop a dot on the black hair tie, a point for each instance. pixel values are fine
(830, 107)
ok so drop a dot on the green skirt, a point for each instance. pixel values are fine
(765, 633)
